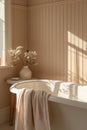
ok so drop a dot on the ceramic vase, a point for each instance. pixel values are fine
(25, 73)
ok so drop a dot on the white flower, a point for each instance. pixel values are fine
(19, 48)
(18, 52)
(30, 57)
(11, 52)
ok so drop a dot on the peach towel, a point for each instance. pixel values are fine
(32, 110)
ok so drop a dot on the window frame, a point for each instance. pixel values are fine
(8, 36)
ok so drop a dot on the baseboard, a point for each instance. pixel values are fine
(4, 115)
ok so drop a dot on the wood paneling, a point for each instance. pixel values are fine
(19, 26)
(58, 32)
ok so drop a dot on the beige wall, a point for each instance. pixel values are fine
(19, 23)
(57, 30)
(19, 37)
(5, 73)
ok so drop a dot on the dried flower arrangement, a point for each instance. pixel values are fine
(27, 57)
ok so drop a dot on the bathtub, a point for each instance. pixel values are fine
(61, 92)
(68, 102)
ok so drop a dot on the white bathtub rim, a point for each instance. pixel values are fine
(14, 90)
(73, 103)
(70, 102)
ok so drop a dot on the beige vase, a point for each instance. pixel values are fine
(25, 73)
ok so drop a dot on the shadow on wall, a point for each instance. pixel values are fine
(77, 58)
(77, 42)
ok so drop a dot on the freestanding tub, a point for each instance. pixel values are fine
(68, 102)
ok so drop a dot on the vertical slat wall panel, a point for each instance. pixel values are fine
(84, 78)
(80, 42)
(58, 32)
(19, 25)
(58, 41)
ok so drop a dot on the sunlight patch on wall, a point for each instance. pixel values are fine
(77, 57)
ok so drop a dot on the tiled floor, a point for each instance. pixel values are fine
(6, 127)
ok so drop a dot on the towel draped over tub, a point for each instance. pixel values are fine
(32, 110)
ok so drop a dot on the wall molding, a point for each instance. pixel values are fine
(45, 2)
(19, 6)
(25, 5)
(38, 2)
(4, 115)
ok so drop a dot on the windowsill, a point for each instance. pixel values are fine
(5, 66)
